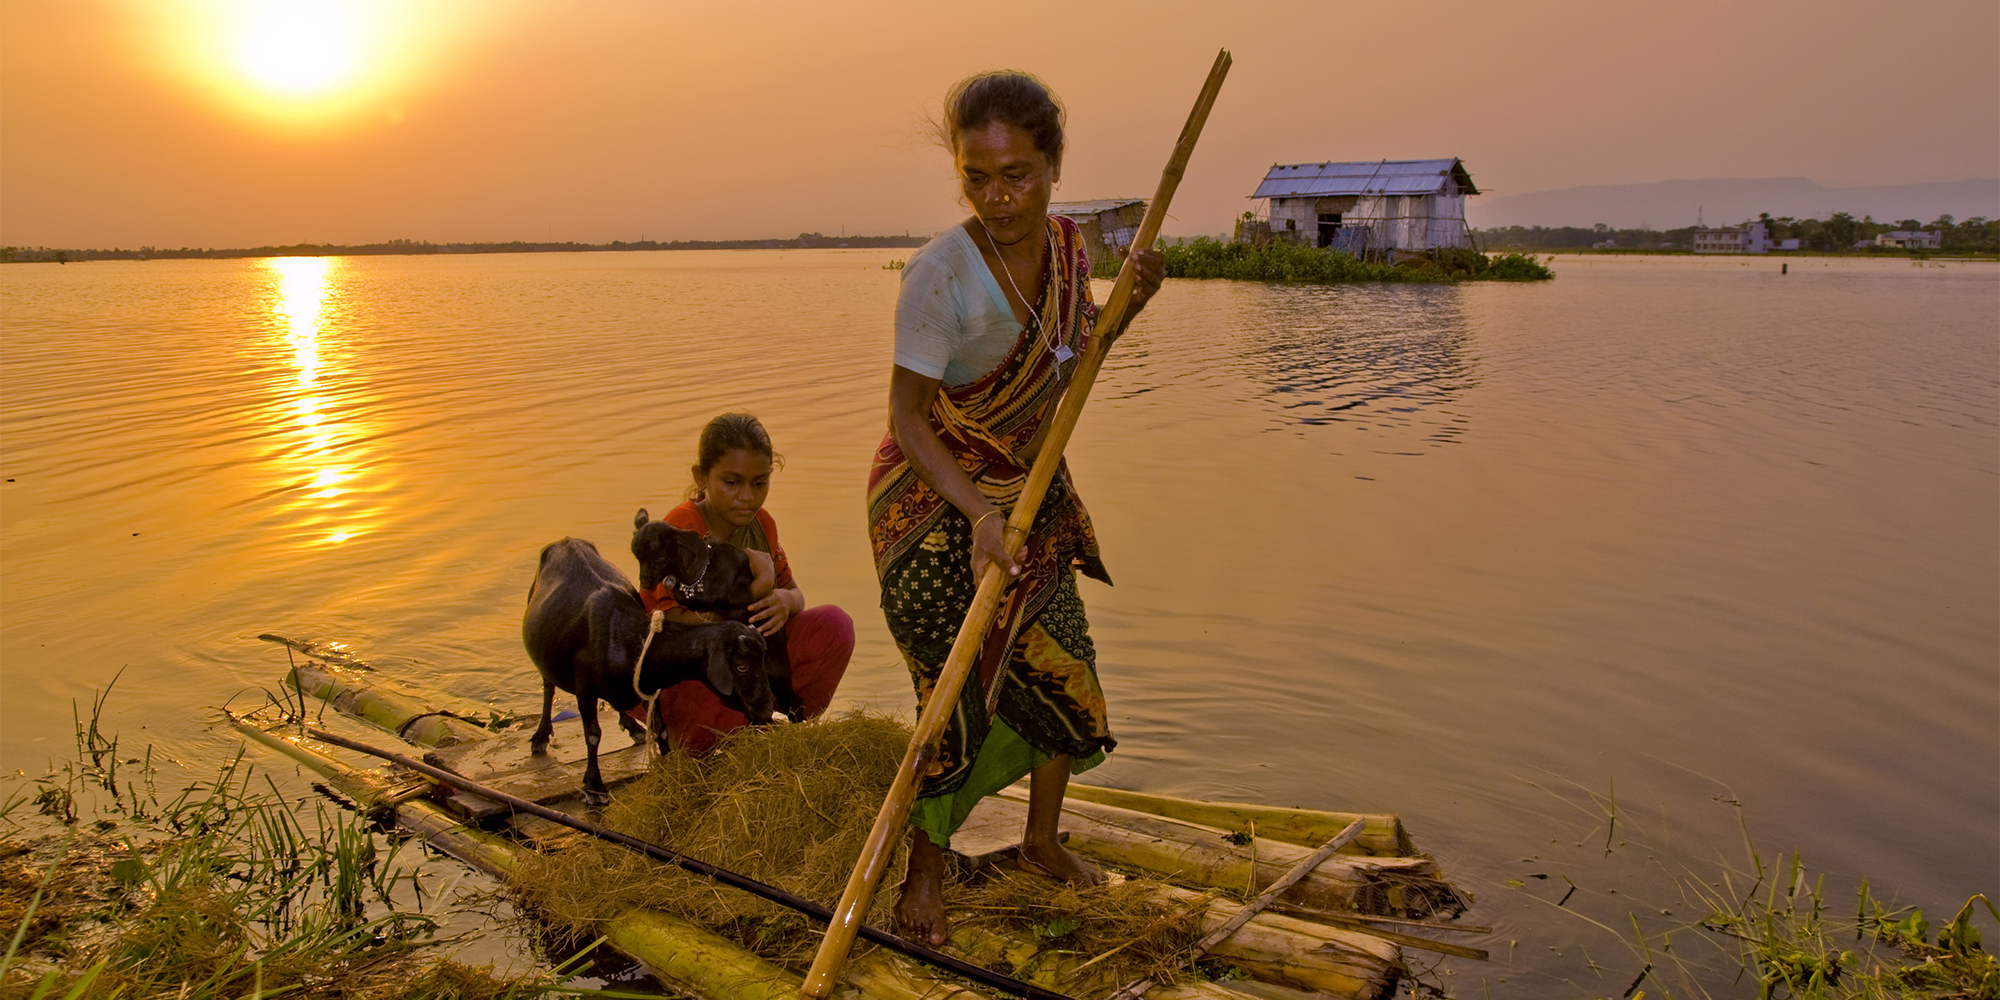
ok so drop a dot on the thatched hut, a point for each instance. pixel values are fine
(1380, 206)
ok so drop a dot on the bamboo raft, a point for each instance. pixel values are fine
(1339, 931)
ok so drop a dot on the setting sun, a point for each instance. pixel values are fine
(300, 47)
(306, 63)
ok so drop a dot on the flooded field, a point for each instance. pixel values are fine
(1584, 578)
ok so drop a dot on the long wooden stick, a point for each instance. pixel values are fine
(889, 823)
(1138, 987)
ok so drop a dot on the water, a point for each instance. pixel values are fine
(1657, 538)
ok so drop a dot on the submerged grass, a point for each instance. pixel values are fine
(221, 887)
(792, 806)
(1279, 260)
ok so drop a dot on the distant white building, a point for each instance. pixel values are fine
(1753, 238)
(1385, 206)
(1906, 240)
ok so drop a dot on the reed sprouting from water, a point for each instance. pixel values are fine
(221, 887)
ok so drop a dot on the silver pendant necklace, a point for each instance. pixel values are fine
(1047, 337)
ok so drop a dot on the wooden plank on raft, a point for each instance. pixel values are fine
(505, 763)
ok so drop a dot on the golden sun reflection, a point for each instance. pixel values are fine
(320, 465)
(301, 300)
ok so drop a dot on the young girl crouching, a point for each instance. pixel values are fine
(732, 477)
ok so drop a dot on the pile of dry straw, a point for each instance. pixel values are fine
(792, 806)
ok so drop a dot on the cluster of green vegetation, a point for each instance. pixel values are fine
(220, 888)
(1838, 232)
(1280, 260)
(1790, 939)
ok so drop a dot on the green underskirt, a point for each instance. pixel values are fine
(1002, 760)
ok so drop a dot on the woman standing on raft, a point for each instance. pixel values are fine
(732, 476)
(989, 323)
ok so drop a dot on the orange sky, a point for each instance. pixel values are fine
(129, 122)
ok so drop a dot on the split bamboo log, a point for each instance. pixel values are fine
(687, 954)
(1297, 952)
(1059, 969)
(889, 823)
(1382, 834)
(888, 976)
(1140, 987)
(377, 705)
(1204, 856)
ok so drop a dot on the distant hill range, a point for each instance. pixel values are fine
(1726, 201)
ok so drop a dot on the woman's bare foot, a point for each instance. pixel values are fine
(920, 909)
(1058, 862)
(1042, 851)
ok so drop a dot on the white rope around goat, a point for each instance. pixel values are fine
(652, 629)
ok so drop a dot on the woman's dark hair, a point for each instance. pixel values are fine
(1009, 97)
(725, 433)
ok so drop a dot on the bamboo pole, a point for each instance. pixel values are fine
(889, 823)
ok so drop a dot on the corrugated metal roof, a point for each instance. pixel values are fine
(1365, 177)
(1091, 207)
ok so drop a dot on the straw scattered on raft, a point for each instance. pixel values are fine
(792, 806)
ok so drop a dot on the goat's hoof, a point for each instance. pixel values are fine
(596, 799)
(538, 747)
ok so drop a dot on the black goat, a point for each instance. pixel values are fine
(669, 553)
(584, 629)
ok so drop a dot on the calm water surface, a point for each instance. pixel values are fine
(1684, 541)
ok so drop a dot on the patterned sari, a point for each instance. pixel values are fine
(1037, 672)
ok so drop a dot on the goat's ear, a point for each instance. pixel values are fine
(720, 675)
(640, 520)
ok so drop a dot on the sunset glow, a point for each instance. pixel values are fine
(298, 64)
(300, 47)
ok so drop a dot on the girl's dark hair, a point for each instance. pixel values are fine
(725, 433)
(1010, 97)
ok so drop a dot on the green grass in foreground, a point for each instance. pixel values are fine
(1281, 261)
(1796, 945)
(218, 889)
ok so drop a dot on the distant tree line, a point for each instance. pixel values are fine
(1837, 232)
(805, 241)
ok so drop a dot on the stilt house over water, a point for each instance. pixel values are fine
(1379, 207)
(1109, 226)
